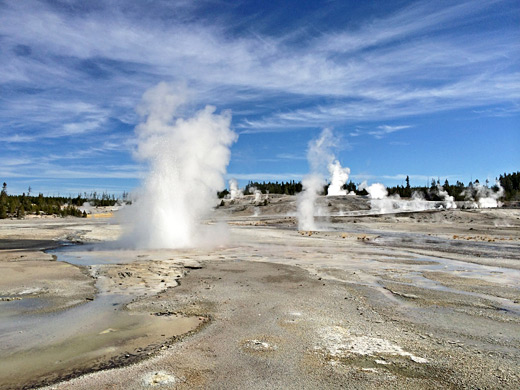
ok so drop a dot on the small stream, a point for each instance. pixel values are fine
(70, 340)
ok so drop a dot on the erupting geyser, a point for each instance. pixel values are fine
(378, 195)
(320, 158)
(312, 184)
(234, 191)
(187, 160)
(382, 203)
(257, 193)
(375, 191)
(487, 197)
(338, 177)
(449, 200)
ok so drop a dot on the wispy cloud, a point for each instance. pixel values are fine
(53, 171)
(384, 104)
(387, 129)
(389, 68)
(290, 156)
(72, 77)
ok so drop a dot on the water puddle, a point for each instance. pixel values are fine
(12, 307)
(91, 335)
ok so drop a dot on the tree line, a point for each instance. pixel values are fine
(287, 188)
(17, 206)
(509, 182)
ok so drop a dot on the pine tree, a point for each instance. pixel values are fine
(21, 212)
(3, 202)
(408, 189)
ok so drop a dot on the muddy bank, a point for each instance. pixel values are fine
(32, 280)
(60, 320)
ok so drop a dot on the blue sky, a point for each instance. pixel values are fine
(419, 88)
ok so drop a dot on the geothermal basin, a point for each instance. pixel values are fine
(410, 300)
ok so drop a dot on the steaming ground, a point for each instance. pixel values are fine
(412, 300)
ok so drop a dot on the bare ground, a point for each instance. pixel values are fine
(417, 300)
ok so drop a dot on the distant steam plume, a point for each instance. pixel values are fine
(483, 197)
(379, 200)
(234, 191)
(382, 203)
(187, 159)
(449, 201)
(320, 158)
(375, 191)
(489, 198)
(338, 177)
(257, 193)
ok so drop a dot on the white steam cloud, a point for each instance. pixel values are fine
(320, 157)
(449, 201)
(486, 197)
(338, 177)
(379, 200)
(258, 196)
(312, 184)
(375, 191)
(257, 193)
(187, 160)
(234, 191)
(382, 203)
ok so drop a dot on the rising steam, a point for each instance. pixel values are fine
(483, 197)
(257, 193)
(449, 200)
(187, 159)
(312, 184)
(320, 158)
(338, 177)
(375, 191)
(382, 203)
(488, 198)
(234, 191)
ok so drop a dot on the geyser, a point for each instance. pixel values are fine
(257, 193)
(487, 198)
(449, 201)
(375, 191)
(187, 160)
(338, 177)
(382, 203)
(320, 158)
(378, 195)
(234, 191)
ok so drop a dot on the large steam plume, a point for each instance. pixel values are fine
(187, 160)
